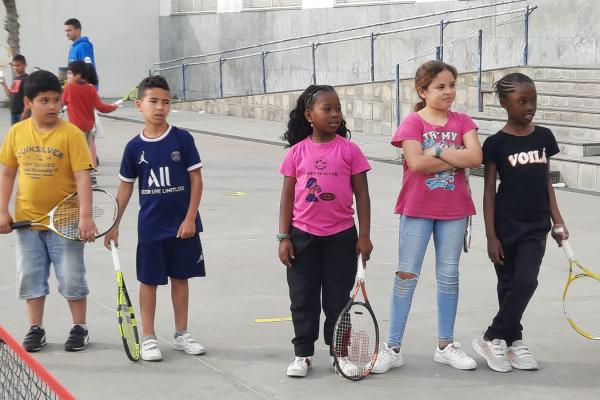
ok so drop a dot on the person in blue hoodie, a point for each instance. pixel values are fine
(81, 49)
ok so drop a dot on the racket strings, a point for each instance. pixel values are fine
(104, 214)
(128, 325)
(581, 303)
(355, 340)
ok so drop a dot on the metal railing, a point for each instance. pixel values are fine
(183, 66)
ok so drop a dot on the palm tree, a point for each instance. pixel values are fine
(11, 24)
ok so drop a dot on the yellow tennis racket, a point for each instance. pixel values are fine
(125, 312)
(581, 297)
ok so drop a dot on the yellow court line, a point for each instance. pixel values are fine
(272, 319)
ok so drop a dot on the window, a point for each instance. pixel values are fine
(194, 6)
(339, 3)
(266, 4)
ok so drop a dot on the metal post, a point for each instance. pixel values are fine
(397, 94)
(221, 62)
(479, 66)
(263, 55)
(183, 79)
(526, 48)
(440, 49)
(314, 67)
(373, 36)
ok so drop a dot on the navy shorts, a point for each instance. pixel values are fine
(171, 258)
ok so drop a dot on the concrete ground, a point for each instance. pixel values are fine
(245, 281)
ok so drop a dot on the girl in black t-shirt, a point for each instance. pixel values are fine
(517, 219)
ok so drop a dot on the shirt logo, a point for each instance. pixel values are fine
(200, 259)
(175, 156)
(163, 179)
(142, 159)
(531, 157)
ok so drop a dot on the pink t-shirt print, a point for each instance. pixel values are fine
(442, 195)
(323, 194)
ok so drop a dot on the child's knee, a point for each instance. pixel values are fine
(404, 283)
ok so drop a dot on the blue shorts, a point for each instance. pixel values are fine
(36, 251)
(171, 258)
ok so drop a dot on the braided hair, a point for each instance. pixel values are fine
(298, 128)
(508, 83)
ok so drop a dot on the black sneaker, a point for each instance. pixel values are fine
(35, 339)
(78, 339)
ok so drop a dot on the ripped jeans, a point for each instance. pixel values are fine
(413, 240)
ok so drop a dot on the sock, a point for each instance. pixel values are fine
(180, 333)
(149, 337)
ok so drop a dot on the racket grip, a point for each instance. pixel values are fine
(118, 102)
(360, 271)
(566, 246)
(115, 256)
(20, 225)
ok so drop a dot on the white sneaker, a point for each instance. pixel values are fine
(519, 356)
(387, 358)
(150, 350)
(494, 353)
(188, 344)
(347, 366)
(454, 356)
(299, 367)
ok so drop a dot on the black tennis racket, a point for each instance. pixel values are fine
(64, 218)
(125, 313)
(356, 334)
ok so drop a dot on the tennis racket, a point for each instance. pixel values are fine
(64, 218)
(469, 227)
(581, 296)
(125, 314)
(356, 334)
(5, 56)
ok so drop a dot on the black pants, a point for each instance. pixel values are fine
(524, 244)
(323, 266)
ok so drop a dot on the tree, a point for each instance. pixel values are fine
(11, 24)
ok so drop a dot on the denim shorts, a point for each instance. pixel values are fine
(36, 251)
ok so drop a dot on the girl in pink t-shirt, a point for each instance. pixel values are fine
(318, 241)
(438, 145)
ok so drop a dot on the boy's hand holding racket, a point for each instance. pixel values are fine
(111, 237)
(559, 233)
(87, 229)
(495, 251)
(118, 103)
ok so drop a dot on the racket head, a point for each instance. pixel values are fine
(64, 218)
(356, 338)
(581, 298)
(5, 56)
(468, 233)
(127, 321)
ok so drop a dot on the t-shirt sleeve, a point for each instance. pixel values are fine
(7, 152)
(190, 154)
(552, 145)
(468, 124)
(359, 161)
(288, 166)
(79, 152)
(488, 149)
(411, 128)
(128, 171)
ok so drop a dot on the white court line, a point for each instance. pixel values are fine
(198, 359)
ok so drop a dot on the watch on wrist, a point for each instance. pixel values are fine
(280, 236)
(438, 150)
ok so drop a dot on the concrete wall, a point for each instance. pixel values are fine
(561, 33)
(124, 34)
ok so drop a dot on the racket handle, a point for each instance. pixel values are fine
(118, 102)
(115, 256)
(360, 271)
(566, 246)
(20, 225)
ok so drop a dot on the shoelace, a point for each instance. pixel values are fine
(455, 349)
(498, 348)
(150, 345)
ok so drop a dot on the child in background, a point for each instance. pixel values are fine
(438, 145)
(81, 99)
(318, 240)
(15, 92)
(517, 219)
(166, 161)
(45, 139)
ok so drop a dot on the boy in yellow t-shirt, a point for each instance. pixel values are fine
(52, 161)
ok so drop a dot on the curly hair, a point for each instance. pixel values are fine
(298, 128)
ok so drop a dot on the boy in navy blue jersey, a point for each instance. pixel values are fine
(166, 162)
